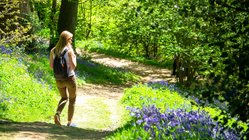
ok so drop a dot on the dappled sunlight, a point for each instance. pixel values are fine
(110, 94)
(31, 135)
(148, 72)
(111, 61)
(110, 91)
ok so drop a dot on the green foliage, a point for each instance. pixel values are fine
(23, 97)
(100, 74)
(96, 46)
(208, 38)
(156, 31)
(43, 10)
(139, 28)
(226, 63)
(230, 20)
(43, 33)
(128, 132)
(142, 95)
(38, 66)
(13, 27)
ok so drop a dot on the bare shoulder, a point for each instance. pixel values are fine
(52, 50)
(71, 52)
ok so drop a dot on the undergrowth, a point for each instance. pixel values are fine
(100, 74)
(110, 50)
(159, 112)
(24, 96)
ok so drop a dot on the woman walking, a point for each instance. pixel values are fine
(67, 85)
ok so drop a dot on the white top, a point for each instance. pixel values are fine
(69, 71)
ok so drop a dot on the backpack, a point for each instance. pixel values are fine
(60, 66)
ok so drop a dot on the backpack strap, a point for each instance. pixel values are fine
(64, 52)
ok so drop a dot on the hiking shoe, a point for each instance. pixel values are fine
(57, 119)
(71, 125)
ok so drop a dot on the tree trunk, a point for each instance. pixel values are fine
(25, 13)
(52, 26)
(25, 7)
(89, 29)
(68, 16)
(155, 49)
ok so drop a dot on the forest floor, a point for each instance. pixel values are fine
(88, 97)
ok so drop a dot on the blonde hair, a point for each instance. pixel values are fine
(63, 41)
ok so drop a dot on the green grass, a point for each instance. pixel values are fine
(99, 74)
(215, 112)
(94, 116)
(38, 66)
(24, 96)
(98, 116)
(141, 95)
(128, 132)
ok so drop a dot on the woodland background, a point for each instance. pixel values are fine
(205, 42)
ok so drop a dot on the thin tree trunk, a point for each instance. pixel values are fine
(89, 30)
(52, 26)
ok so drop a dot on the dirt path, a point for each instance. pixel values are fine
(110, 94)
(86, 112)
(148, 73)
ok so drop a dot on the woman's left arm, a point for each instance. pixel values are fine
(72, 59)
(51, 58)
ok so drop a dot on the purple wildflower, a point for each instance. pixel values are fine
(179, 124)
(4, 50)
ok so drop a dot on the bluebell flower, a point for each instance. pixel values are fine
(5, 50)
(146, 127)
(2, 48)
(163, 116)
(139, 122)
(180, 124)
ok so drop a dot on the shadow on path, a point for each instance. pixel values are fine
(42, 130)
